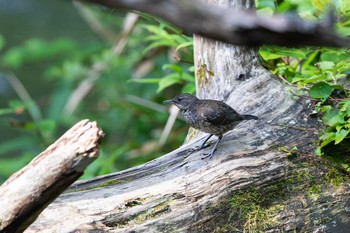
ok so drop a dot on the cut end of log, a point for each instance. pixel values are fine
(27, 192)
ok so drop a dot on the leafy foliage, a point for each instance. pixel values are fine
(320, 73)
(58, 68)
(177, 74)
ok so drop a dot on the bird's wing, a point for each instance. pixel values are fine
(218, 113)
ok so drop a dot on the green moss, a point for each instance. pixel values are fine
(151, 172)
(226, 228)
(107, 183)
(202, 73)
(152, 212)
(321, 221)
(115, 220)
(334, 177)
(255, 209)
(133, 202)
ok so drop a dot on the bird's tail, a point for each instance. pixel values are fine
(249, 117)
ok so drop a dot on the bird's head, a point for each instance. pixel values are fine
(182, 101)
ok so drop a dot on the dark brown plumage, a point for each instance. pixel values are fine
(210, 116)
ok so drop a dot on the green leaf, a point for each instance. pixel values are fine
(168, 81)
(338, 119)
(191, 69)
(344, 31)
(338, 87)
(145, 80)
(326, 108)
(291, 52)
(13, 58)
(188, 77)
(157, 44)
(345, 107)
(339, 127)
(340, 135)
(173, 67)
(185, 44)
(321, 5)
(318, 151)
(318, 106)
(310, 58)
(15, 106)
(47, 126)
(266, 11)
(267, 54)
(4, 111)
(189, 88)
(334, 56)
(321, 90)
(313, 79)
(325, 65)
(327, 138)
(265, 3)
(35, 50)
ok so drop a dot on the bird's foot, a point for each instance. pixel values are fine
(209, 155)
(198, 148)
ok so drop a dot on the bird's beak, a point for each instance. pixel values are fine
(168, 101)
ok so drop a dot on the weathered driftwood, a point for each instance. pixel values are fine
(27, 192)
(180, 192)
(235, 26)
(248, 185)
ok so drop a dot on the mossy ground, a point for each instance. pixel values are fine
(258, 209)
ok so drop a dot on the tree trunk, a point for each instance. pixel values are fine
(249, 185)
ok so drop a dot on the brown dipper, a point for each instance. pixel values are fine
(210, 116)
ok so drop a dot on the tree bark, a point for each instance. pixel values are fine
(26, 193)
(249, 185)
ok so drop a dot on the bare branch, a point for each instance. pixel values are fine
(240, 27)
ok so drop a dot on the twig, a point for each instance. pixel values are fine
(24, 96)
(146, 103)
(174, 112)
(94, 23)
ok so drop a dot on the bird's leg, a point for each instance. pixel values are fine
(211, 153)
(205, 141)
(203, 144)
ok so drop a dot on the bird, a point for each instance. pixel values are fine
(210, 116)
